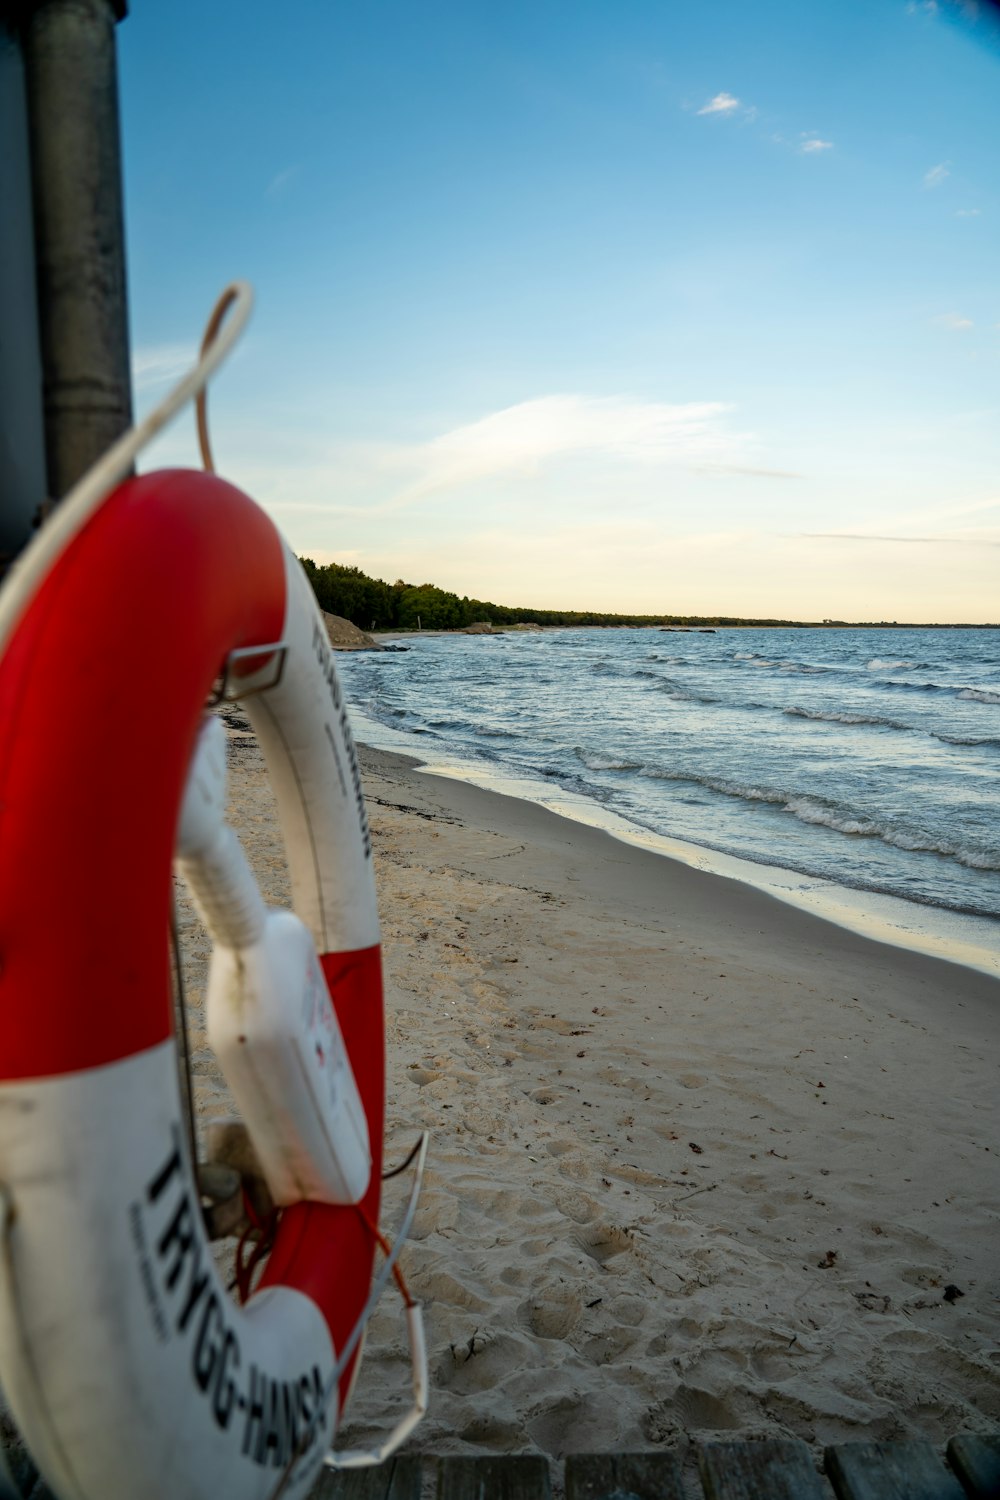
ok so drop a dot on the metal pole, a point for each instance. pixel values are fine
(72, 95)
(23, 486)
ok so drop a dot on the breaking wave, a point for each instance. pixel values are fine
(820, 813)
(832, 716)
(596, 762)
(971, 694)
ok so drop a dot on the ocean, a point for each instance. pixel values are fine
(862, 760)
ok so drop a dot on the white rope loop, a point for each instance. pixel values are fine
(73, 512)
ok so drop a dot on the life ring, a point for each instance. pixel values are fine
(129, 1369)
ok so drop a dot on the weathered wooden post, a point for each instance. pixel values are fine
(64, 354)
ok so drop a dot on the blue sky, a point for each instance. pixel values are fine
(632, 305)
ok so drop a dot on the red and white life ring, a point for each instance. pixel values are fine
(129, 1369)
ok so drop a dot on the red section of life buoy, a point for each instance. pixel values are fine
(299, 1257)
(102, 689)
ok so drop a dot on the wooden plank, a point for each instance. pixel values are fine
(623, 1476)
(976, 1461)
(521, 1476)
(778, 1469)
(396, 1479)
(890, 1471)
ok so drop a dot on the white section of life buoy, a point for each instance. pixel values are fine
(304, 732)
(134, 1371)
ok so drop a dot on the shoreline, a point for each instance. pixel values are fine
(455, 797)
(969, 940)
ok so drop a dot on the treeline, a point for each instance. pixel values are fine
(373, 604)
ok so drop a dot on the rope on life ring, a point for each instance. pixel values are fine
(116, 1331)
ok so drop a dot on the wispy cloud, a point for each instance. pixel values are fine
(967, 213)
(922, 526)
(722, 104)
(747, 471)
(953, 321)
(731, 107)
(980, 540)
(521, 438)
(556, 446)
(158, 364)
(936, 175)
(281, 181)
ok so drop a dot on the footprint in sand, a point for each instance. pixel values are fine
(494, 1434)
(482, 1361)
(585, 1422)
(575, 1205)
(699, 1408)
(630, 1311)
(559, 1148)
(421, 1076)
(602, 1244)
(436, 1212)
(604, 1348)
(553, 1311)
(575, 1168)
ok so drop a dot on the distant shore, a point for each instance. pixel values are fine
(708, 627)
(347, 591)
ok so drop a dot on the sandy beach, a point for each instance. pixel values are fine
(700, 1163)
